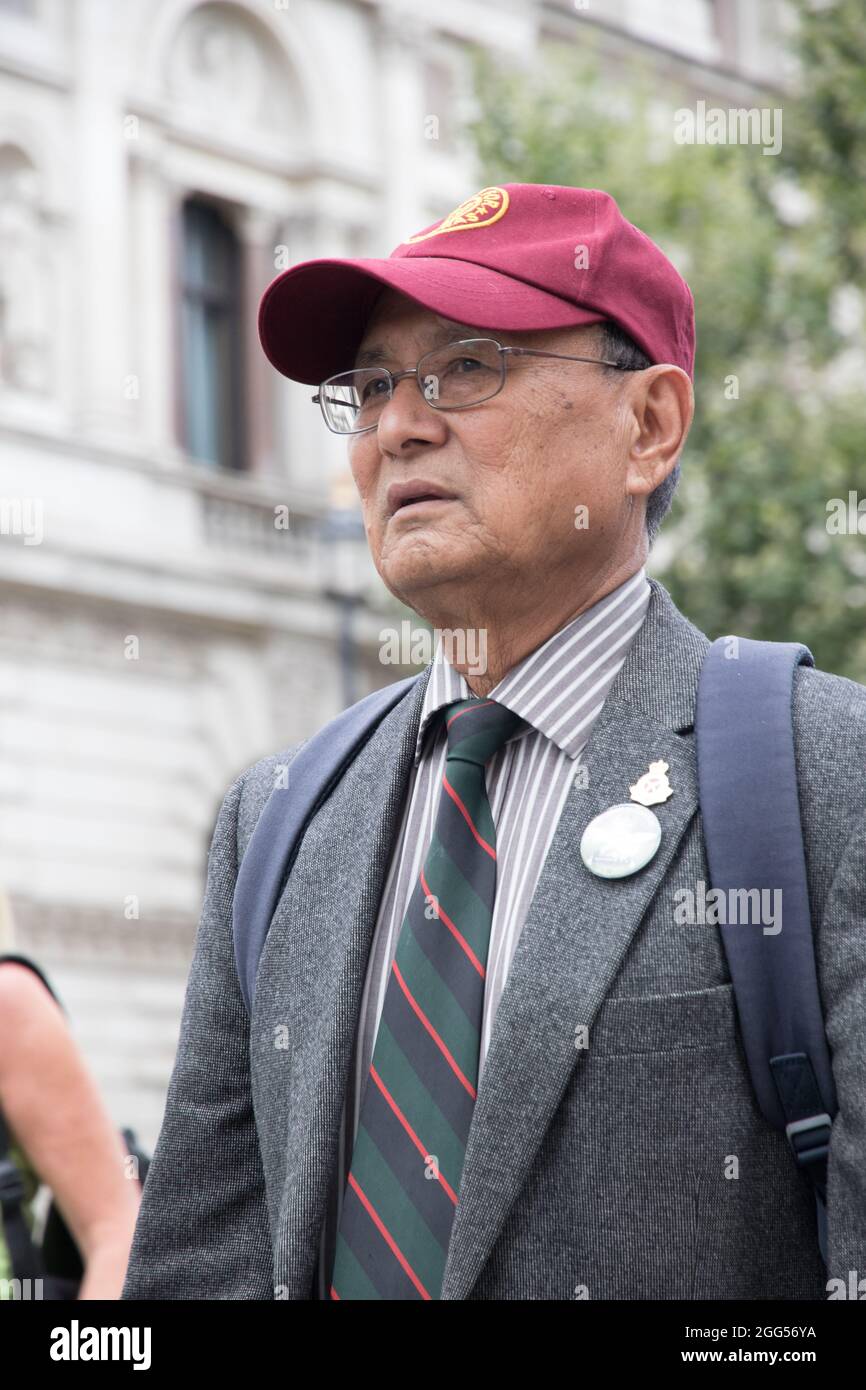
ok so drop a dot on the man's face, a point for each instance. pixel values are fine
(516, 467)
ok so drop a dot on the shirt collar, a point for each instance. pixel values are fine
(561, 684)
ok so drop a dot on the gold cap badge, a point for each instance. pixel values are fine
(478, 211)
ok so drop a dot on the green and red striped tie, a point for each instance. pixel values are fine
(401, 1196)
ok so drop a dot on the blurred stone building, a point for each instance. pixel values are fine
(185, 584)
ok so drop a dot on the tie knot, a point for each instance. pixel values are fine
(477, 729)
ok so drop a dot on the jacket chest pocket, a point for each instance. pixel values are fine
(659, 1023)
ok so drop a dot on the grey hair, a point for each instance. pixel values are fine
(618, 347)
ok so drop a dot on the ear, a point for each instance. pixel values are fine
(662, 406)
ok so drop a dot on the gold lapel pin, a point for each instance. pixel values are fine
(653, 787)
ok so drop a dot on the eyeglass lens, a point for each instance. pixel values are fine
(459, 374)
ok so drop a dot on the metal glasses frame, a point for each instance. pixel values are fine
(394, 377)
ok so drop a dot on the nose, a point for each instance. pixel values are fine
(407, 418)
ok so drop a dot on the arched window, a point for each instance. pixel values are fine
(27, 301)
(211, 337)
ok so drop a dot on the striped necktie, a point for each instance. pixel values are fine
(401, 1196)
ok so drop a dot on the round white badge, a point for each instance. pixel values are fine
(621, 840)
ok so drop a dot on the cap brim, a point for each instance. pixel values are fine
(312, 317)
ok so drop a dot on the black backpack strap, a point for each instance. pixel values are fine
(31, 965)
(753, 835)
(313, 772)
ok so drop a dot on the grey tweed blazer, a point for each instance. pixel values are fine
(602, 1173)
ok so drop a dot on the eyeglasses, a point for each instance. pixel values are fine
(453, 377)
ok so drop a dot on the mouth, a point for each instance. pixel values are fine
(413, 496)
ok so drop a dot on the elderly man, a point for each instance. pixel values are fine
(484, 1057)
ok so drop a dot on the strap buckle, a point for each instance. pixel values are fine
(810, 1138)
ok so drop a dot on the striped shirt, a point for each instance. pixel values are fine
(559, 690)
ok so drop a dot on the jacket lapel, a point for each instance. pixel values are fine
(577, 931)
(316, 956)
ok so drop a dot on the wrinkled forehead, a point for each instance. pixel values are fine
(395, 317)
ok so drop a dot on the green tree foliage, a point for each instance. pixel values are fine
(773, 248)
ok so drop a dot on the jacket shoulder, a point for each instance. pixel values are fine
(830, 749)
(830, 713)
(254, 787)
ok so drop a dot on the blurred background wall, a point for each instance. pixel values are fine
(160, 629)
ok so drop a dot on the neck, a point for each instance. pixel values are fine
(484, 642)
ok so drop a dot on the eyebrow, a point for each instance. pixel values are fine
(376, 353)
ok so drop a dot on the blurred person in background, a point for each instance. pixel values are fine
(59, 1134)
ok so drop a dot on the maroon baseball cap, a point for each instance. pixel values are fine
(515, 256)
